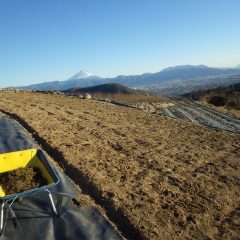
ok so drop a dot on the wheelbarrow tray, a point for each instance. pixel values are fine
(24, 159)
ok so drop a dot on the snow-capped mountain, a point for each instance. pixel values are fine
(81, 79)
(238, 66)
(82, 74)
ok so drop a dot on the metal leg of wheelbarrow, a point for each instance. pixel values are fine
(1, 217)
(53, 204)
(57, 210)
(14, 217)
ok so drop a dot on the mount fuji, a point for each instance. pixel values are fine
(82, 74)
(81, 79)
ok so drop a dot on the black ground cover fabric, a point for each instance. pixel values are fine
(13, 137)
(37, 221)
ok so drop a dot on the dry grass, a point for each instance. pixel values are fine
(226, 99)
(224, 109)
(168, 178)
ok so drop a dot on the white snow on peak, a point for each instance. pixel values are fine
(82, 74)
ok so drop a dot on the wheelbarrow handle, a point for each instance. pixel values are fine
(14, 218)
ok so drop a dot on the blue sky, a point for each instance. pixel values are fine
(53, 39)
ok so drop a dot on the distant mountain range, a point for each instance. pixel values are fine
(171, 75)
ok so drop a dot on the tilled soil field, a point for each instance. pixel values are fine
(155, 177)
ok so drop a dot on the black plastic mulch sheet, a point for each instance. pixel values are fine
(13, 137)
(37, 221)
(35, 217)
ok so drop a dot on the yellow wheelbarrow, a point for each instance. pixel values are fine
(24, 159)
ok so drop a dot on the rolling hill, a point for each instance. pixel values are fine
(108, 88)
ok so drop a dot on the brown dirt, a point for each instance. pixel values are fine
(155, 177)
(132, 98)
(21, 180)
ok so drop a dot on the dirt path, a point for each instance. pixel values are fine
(155, 177)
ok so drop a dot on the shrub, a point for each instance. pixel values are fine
(217, 100)
(234, 101)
